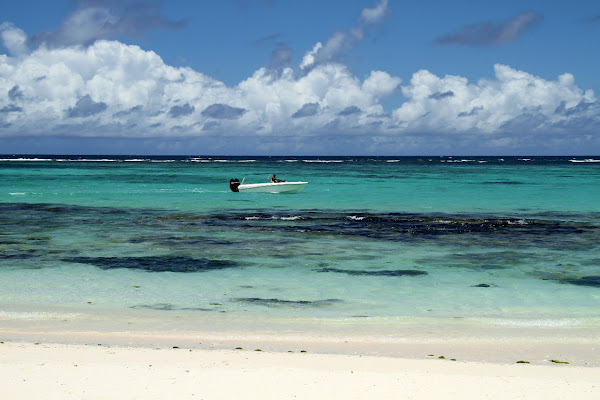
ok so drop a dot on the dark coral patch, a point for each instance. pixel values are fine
(286, 303)
(592, 281)
(15, 255)
(156, 263)
(504, 183)
(169, 307)
(393, 272)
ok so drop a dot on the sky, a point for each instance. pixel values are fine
(280, 77)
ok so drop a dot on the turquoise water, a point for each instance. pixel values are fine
(480, 237)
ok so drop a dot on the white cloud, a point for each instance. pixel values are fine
(309, 58)
(110, 89)
(341, 41)
(106, 19)
(380, 84)
(515, 102)
(374, 15)
(110, 84)
(14, 39)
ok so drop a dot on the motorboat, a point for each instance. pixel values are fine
(267, 187)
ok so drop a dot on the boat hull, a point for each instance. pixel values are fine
(275, 187)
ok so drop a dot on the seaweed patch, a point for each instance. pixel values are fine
(393, 272)
(504, 183)
(157, 306)
(591, 281)
(286, 303)
(155, 263)
(174, 241)
(15, 255)
(482, 261)
(169, 307)
(189, 231)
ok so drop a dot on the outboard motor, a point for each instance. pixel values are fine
(233, 185)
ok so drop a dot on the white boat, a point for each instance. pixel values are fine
(268, 187)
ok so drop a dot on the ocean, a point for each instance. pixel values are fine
(370, 243)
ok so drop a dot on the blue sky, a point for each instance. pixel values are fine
(377, 77)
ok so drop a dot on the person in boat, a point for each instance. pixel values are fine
(275, 180)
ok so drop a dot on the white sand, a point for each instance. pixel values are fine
(75, 371)
(97, 357)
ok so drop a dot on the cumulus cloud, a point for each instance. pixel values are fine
(13, 39)
(122, 90)
(439, 95)
(474, 111)
(493, 33)
(581, 108)
(86, 107)
(515, 102)
(113, 90)
(15, 93)
(10, 108)
(125, 113)
(106, 19)
(223, 111)
(349, 111)
(307, 110)
(179, 111)
(343, 40)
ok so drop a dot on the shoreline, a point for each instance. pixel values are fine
(529, 349)
(505, 341)
(63, 371)
(155, 355)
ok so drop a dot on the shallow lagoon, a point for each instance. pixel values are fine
(381, 239)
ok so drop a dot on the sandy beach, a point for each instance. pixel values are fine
(101, 371)
(119, 356)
